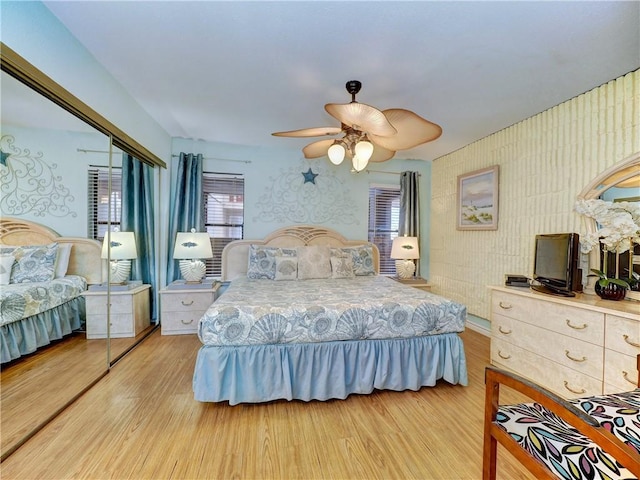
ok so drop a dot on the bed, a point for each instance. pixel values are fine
(43, 277)
(594, 437)
(312, 332)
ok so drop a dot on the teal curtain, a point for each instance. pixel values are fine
(409, 223)
(187, 211)
(137, 217)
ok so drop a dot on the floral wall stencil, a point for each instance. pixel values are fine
(29, 184)
(291, 197)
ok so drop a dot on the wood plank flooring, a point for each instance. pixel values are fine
(141, 422)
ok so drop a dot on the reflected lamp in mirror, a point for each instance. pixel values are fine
(190, 248)
(120, 248)
(405, 250)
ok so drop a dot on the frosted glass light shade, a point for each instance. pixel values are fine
(358, 163)
(405, 248)
(123, 246)
(364, 150)
(336, 153)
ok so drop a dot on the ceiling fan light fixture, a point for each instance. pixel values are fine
(364, 150)
(358, 163)
(336, 153)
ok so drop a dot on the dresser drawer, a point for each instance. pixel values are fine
(121, 326)
(560, 379)
(623, 335)
(584, 357)
(574, 322)
(176, 323)
(620, 370)
(119, 303)
(184, 302)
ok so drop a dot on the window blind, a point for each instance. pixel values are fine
(99, 202)
(223, 200)
(384, 217)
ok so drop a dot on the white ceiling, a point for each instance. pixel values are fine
(235, 72)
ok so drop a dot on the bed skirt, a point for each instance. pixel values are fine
(321, 371)
(27, 335)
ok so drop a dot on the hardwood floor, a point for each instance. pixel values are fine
(141, 422)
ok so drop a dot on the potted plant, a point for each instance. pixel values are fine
(609, 288)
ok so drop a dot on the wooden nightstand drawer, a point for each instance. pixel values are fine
(129, 312)
(119, 304)
(176, 323)
(187, 302)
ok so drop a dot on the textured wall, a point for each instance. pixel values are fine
(545, 161)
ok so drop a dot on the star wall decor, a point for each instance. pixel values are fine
(3, 157)
(309, 176)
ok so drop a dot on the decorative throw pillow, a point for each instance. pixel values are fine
(342, 267)
(262, 261)
(286, 268)
(6, 262)
(34, 263)
(362, 257)
(62, 260)
(314, 261)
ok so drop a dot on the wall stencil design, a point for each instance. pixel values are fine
(29, 184)
(289, 197)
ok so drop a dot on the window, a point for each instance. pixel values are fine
(223, 199)
(384, 216)
(99, 201)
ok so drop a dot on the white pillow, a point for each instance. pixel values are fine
(314, 261)
(62, 259)
(6, 262)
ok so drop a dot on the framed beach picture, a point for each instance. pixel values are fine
(477, 206)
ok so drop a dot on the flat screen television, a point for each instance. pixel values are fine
(555, 267)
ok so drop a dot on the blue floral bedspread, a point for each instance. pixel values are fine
(256, 312)
(22, 300)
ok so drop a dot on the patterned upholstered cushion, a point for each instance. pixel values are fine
(34, 263)
(262, 261)
(286, 268)
(314, 261)
(342, 267)
(362, 257)
(6, 262)
(568, 453)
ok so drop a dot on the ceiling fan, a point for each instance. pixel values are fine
(368, 134)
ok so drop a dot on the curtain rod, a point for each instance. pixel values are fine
(218, 158)
(389, 173)
(85, 150)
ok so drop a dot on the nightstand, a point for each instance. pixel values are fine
(182, 308)
(129, 312)
(415, 282)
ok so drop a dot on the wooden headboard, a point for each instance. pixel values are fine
(85, 253)
(235, 256)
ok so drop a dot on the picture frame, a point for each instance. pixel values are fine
(477, 200)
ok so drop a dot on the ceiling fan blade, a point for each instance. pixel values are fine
(361, 117)
(381, 154)
(413, 130)
(310, 132)
(317, 149)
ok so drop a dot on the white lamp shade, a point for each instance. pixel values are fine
(190, 245)
(336, 153)
(364, 150)
(123, 246)
(405, 248)
(358, 163)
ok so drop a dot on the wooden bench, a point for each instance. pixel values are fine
(555, 438)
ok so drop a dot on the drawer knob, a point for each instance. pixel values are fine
(504, 332)
(633, 344)
(576, 327)
(505, 306)
(187, 323)
(583, 359)
(625, 375)
(577, 392)
(186, 304)
(505, 357)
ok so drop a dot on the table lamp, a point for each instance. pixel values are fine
(405, 250)
(123, 249)
(190, 248)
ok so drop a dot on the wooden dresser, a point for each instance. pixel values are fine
(575, 347)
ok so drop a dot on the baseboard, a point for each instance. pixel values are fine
(478, 324)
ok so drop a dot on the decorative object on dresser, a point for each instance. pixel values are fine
(129, 312)
(405, 250)
(555, 266)
(415, 282)
(120, 249)
(190, 248)
(609, 288)
(572, 346)
(182, 306)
